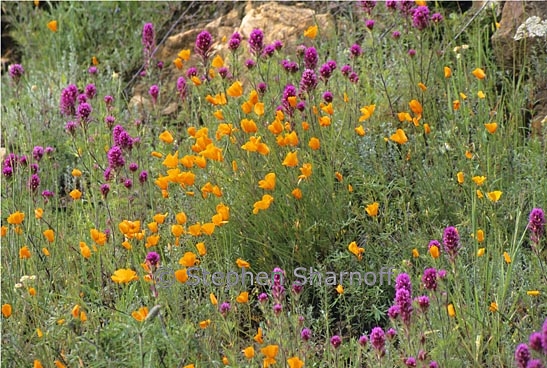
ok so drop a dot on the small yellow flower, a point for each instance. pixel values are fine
(45, 251)
(249, 352)
(140, 314)
(295, 362)
(52, 25)
(213, 299)
(416, 107)
(311, 32)
(463, 96)
(450, 309)
(314, 143)
(495, 195)
(506, 257)
(291, 160)
(268, 183)
(427, 129)
(491, 127)
(456, 104)
(479, 180)
(32, 291)
(372, 209)
(243, 297)
(24, 253)
(235, 90)
(217, 62)
(124, 276)
(360, 131)
(422, 87)
(415, 253)
(399, 137)
(258, 337)
(533, 292)
(480, 252)
(460, 177)
(204, 324)
(434, 251)
(181, 275)
(178, 63)
(366, 112)
(493, 307)
(297, 193)
(37, 364)
(166, 137)
(50, 235)
(479, 194)
(38, 213)
(75, 194)
(242, 264)
(184, 54)
(481, 95)
(356, 250)
(76, 173)
(16, 218)
(480, 236)
(479, 73)
(447, 72)
(338, 176)
(6, 310)
(39, 333)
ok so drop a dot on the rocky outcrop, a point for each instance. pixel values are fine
(522, 37)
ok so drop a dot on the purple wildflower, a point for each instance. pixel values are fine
(256, 41)
(49, 150)
(422, 355)
(429, 279)
(181, 87)
(297, 288)
(92, 70)
(225, 308)
(203, 44)
(403, 300)
(235, 41)
(249, 63)
(263, 297)
(378, 339)
(437, 18)
(535, 341)
(154, 92)
(308, 81)
(38, 152)
(310, 58)
(433, 364)
(327, 96)
(108, 174)
(544, 337)
(191, 72)
(391, 4)
(305, 334)
(301, 105)
(536, 224)
(224, 72)
(47, 194)
(81, 98)
(423, 302)
(369, 24)
(363, 340)
(434, 243)
(133, 167)
(278, 45)
(108, 100)
(336, 341)
(394, 311)
(411, 52)
(262, 87)
(410, 362)
(396, 35)
(391, 333)
(277, 308)
(143, 177)
(355, 50)
(105, 188)
(68, 100)
(153, 258)
(34, 182)
(7, 171)
(325, 72)
(148, 38)
(15, 72)
(160, 65)
(367, 5)
(34, 168)
(115, 157)
(522, 355)
(451, 242)
(109, 120)
(406, 6)
(268, 51)
(70, 127)
(84, 111)
(289, 66)
(420, 17)
(353, 77)
(346, 70)
(535, 363)
(90, 90)
(403, 282)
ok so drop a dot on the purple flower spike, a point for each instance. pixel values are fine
(15, 72)
(420, 17)
(536, 224)
(522, 355)
(336, 341)
(451, 242)
(256, 41)
(203, 44)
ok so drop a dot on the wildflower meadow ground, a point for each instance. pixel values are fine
(392, 148)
